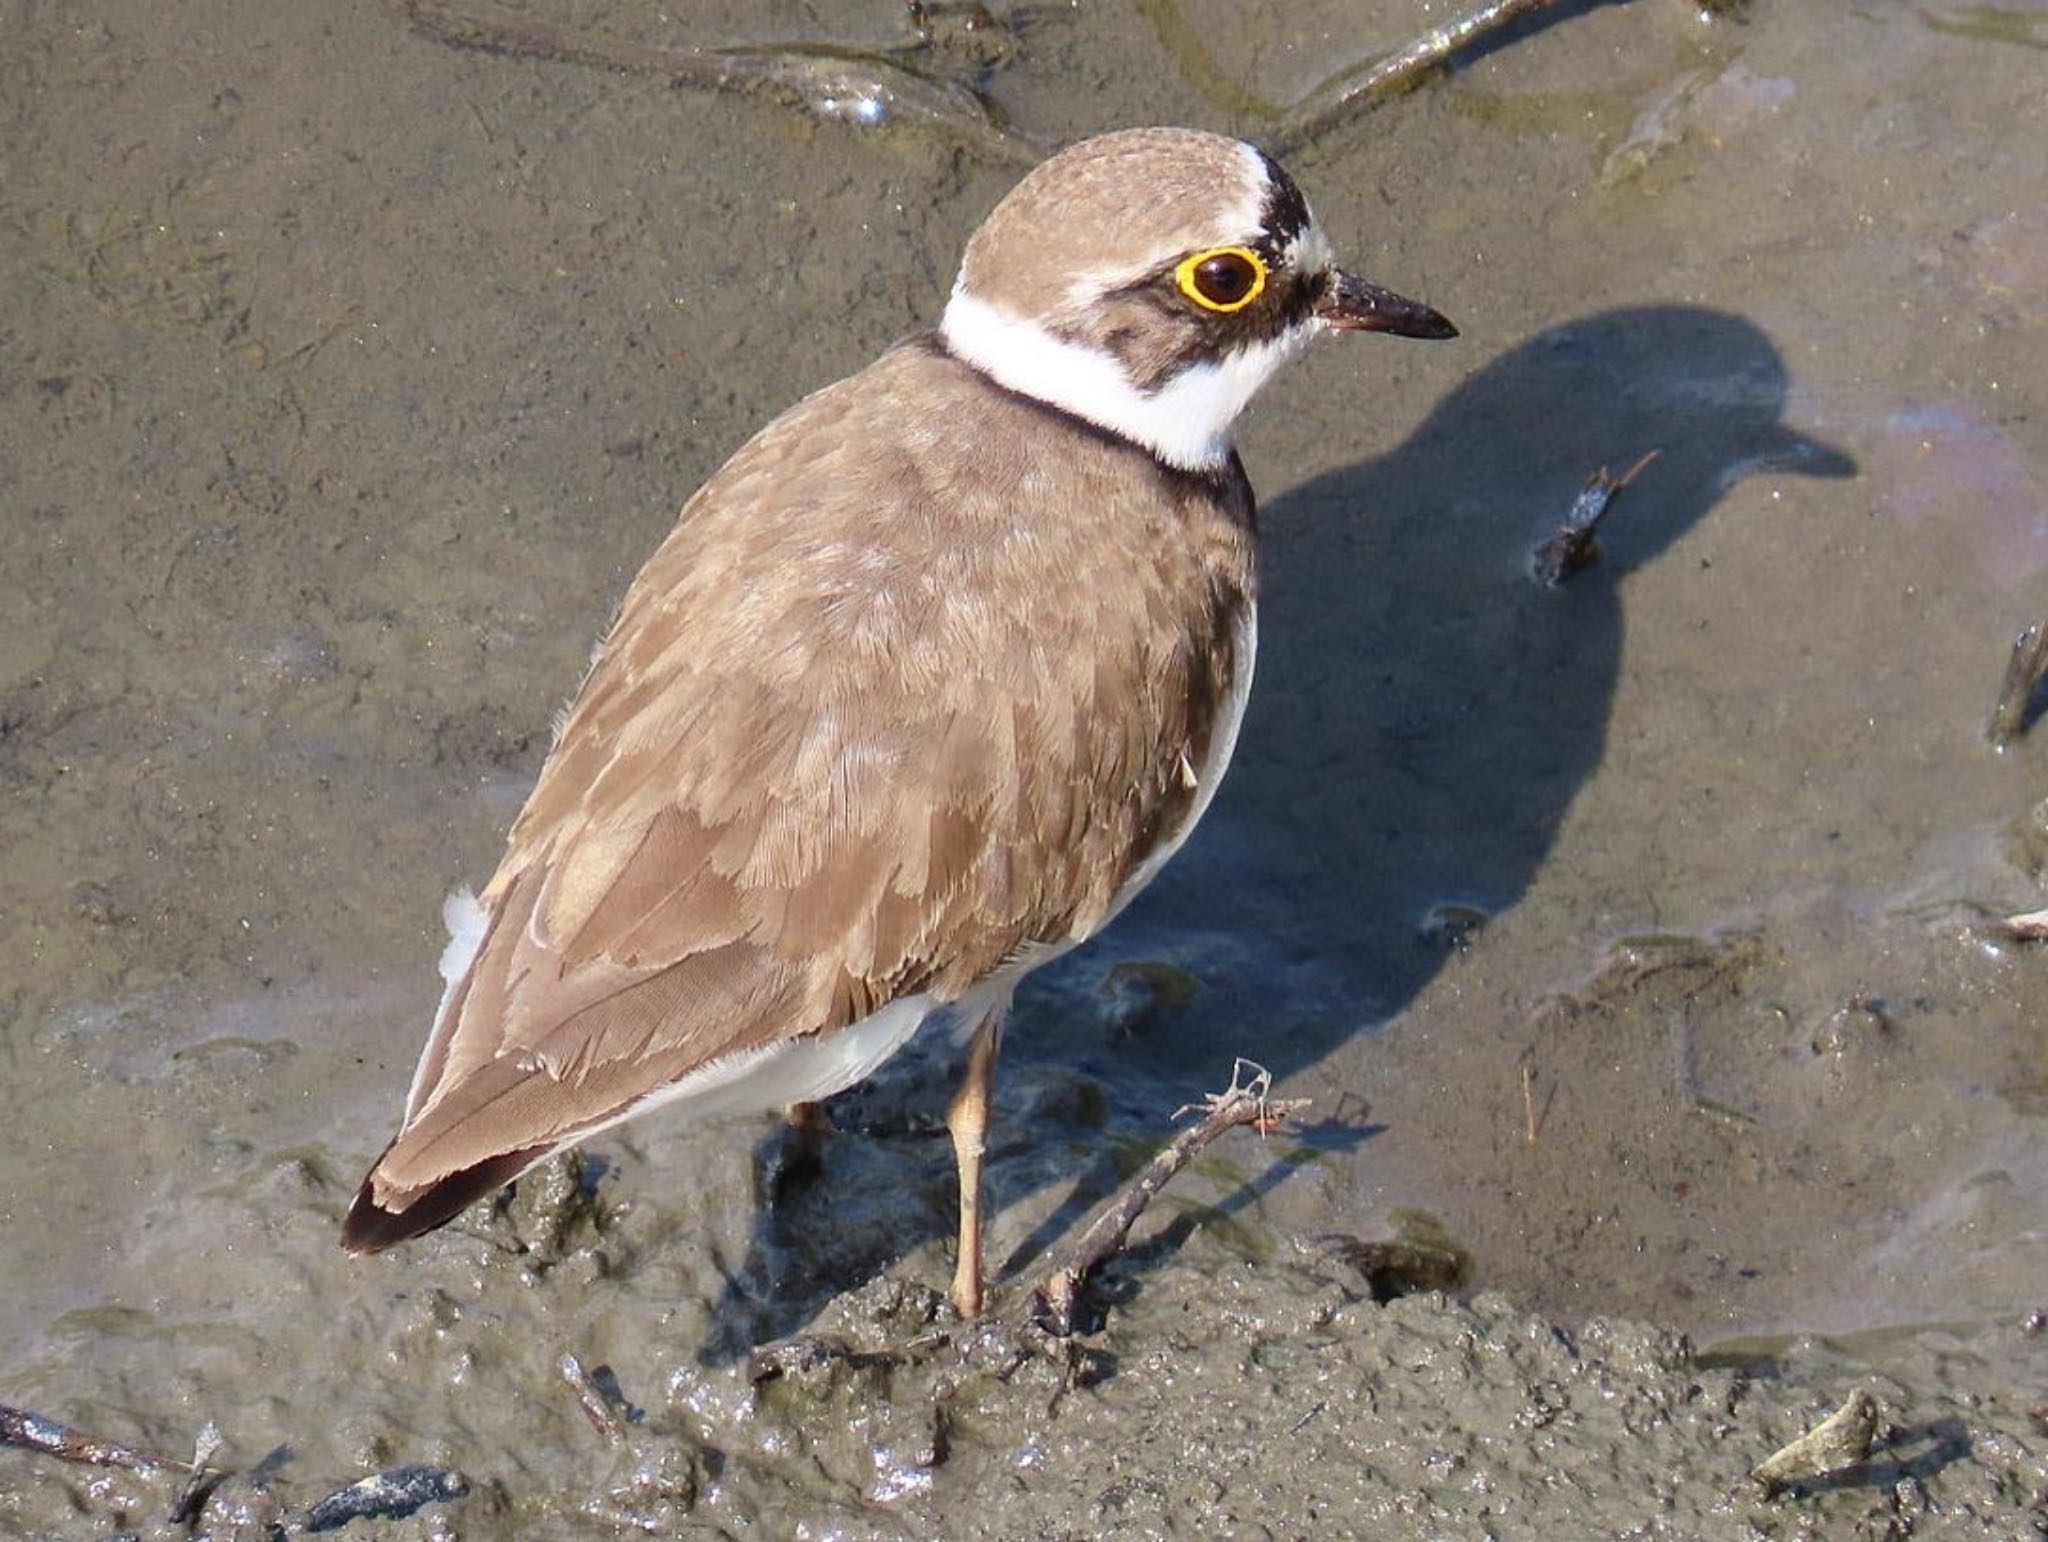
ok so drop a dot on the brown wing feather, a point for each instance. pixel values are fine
(838, 748)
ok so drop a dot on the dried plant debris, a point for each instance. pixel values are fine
(1572, 547)
(597, 1400)
(388, 1495)
(391, 1495)
(1243, 1102)
(2025, 668)
(1353, 91)
(205, 1476)
(1842, 1440)
(863, 88)
(2028, 926)
(907, 85)
(33, 1432)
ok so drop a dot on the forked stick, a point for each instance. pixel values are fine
(1052, 1305)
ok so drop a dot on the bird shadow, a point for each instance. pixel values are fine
(1425, 713)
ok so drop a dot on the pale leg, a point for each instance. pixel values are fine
(968, 1120)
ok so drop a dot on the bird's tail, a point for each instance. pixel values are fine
(372, 1226)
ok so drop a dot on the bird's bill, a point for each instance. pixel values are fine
(1350, 304)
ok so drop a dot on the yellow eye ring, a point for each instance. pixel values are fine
(1224, 279)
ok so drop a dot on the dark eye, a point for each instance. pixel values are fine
(1226, 278)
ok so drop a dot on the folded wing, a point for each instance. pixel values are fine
(832, 756)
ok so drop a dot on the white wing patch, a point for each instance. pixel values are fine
(467, 921)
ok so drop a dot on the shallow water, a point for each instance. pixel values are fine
(350, 374)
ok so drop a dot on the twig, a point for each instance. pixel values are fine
(623, 1520)
(878, 87)
(390, 1495)
(597, 1408)
(1529, 1102)
(1340, 98)
(205, 1476)
(1840, 1440)
(1571, 548)
(2028, 926)
(867, 89)
(1051, 1306)
(19, 1427)
(2025, 668)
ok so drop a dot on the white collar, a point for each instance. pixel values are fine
(1186, 422)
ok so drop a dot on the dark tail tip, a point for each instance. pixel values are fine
(371, 1227)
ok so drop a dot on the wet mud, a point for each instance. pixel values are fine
(1637, 939)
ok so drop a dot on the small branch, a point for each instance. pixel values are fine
(391, 1495)
(32, 1432)
(1571, 548)
(1051, 1306)
(205, 1476)
(1343, 97)
(859, 87)
(1529, 1120)
(2028, 926)
(597, 1408)
(2025, 668)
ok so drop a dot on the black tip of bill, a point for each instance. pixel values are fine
(1350, 304)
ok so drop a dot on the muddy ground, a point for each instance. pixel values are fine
(1634, 939)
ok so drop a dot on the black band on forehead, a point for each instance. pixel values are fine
(1285, 214)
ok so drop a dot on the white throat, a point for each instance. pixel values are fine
(1186, 422)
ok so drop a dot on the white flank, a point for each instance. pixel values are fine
(1216, 761)
(811, 1069)
(806, 1070)
(790, 1071)
(1186, 422)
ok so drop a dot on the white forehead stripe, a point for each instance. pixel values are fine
(1186, 422)
(1250, 213)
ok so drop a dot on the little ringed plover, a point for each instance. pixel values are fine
(927, 682)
